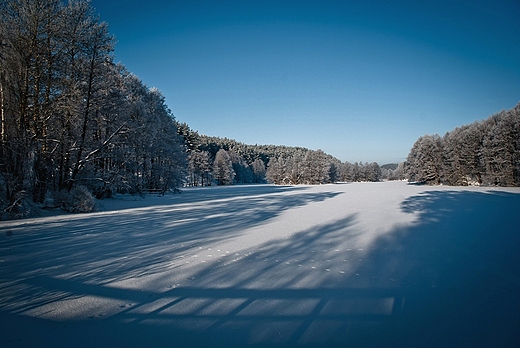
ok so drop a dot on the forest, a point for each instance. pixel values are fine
(482, 153)
(74, 123)
(225, 161)
(76, 126)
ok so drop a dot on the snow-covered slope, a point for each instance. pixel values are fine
(365, 264)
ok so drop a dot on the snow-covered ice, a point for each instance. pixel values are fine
(359, 264)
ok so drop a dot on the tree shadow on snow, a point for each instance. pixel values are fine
(458, 268)
(112, 245)
(450, 279)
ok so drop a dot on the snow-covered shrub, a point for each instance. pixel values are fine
(77, 200)
(19, 207)
(471, 181)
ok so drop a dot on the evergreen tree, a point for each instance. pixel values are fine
(199, 168)
(243, 171)
(500, 150)
(276, 171)
(373, 172)
(259, 171)
(486, 152)
(223, 168)
(425, 160)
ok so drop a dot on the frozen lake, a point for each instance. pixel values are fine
(365, 264)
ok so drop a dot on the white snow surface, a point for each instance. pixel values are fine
(356, 264)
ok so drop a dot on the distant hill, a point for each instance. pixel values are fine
(389, 166)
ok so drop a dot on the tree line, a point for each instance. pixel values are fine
(222, 161)
(482, 153)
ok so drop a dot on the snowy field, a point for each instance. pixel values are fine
(361, 264)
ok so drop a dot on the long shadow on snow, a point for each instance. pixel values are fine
(205, 194)
(115, 246)
(458, 269)
(451, 279)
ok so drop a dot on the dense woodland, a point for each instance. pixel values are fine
(224, 161)
(72, 121)
(482, 153)
(75, 125)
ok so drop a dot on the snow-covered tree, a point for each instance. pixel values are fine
(425, 160)
(243, 171)
(223, 168)
(276, 170)
(199, 168)
(461, 149)
(69, 115)
(485, 152)
(500, 149)
(373, 172)
(315, 168)
(399, 173)
(259, 171)
(346, 172)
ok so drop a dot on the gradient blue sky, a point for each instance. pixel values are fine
(361, 80)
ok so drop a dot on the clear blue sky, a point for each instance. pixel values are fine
(361, 80)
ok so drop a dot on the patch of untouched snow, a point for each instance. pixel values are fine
(370, 264)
